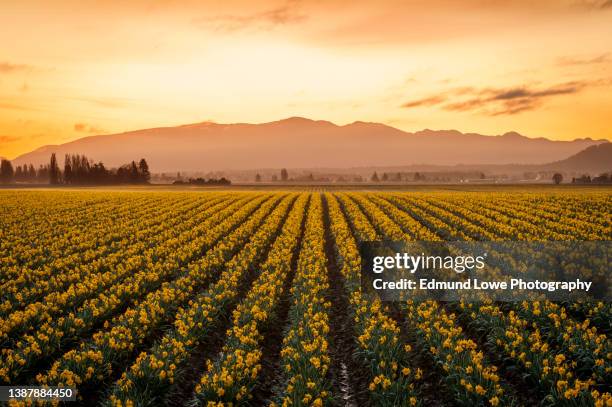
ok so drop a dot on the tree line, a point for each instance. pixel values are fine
(78, 170)
(203, 181)
(586, 179)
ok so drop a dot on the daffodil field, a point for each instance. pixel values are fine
(254, 298)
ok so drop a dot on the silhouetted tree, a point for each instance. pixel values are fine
(385, 177)
(19, 174)
(602, 179)
(257, 178)
(31, 173)
(98, 174)
(585, 179)
(78, 169)
(202, 181)
(417, 176)
(143, 168)
(54, 171)
(42, 175)
(134, 178)
(557, 178)
(7, 174)
(274, 178)
(374, 177)
(67, 170)
(284, 175)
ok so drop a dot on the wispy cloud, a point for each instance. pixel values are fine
(501, 101)
(87, 128)
(13, 106)
(429, 101)
(264, 20)
(602, 4)
(8, 139)
(7, 67)
(600, 59)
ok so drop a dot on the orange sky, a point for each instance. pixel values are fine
(70, 69)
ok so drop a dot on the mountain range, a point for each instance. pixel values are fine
(303, 143)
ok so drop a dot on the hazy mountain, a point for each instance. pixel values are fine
(298, 142)
(594, 159)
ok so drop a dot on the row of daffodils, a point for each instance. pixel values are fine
(224, 298)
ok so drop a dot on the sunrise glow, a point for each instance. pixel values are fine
(70, 69)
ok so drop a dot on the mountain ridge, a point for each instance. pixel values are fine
(594, 159)
(302, 142)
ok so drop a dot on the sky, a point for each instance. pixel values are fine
(70, 68)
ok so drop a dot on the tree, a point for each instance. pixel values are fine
(67, 169)
(385, 177)
(19, 174)
(42, 175)
(374, 177)
(417, 176)
(557, 178)
(143, 168)
(602, 179)
(284, 174)
(274, 178)
(98, 174)
(585, 179)
(257, 178)
(134, 175)
(32, 173)
(6, 172)
(54, 171)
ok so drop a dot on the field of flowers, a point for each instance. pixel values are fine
(253, 298)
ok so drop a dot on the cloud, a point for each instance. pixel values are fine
(595, 4)
(524, 92)
(501, 101)
(514, 100)
(429, 101)
(7, 67)
(12, 106)
(263, 20)
(8, 139)
(87, 128)
(600, 59)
